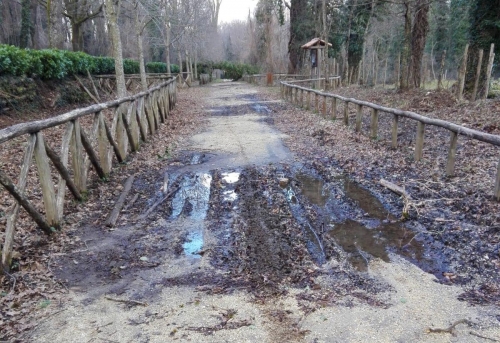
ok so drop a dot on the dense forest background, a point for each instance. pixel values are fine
(404, 41)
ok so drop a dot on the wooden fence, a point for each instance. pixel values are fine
(296, 94)
(331, 82)
(133, 120)
(261, 79)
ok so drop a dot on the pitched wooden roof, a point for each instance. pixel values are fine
(315, 42)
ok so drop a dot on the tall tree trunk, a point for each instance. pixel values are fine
(139, 29)
(298, 13)
(76, 37)
(195, 63)
(55, 27)
(405, 53)
(346, 63)
(25, 23)
(167, 36)
(214, 13)
(419, 35)
(269, 42)
(112, 13)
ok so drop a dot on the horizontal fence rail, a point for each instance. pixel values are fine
(296, 94)
(132, 81)
(91, 137)
(331, 82)
(258, 79)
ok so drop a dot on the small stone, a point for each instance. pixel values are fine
(144, 259)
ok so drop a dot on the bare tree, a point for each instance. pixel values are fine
(78, 12)
(112, 12)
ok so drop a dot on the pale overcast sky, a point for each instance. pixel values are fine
(235, 10)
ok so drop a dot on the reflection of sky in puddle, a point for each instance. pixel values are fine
(196, 191)
(196, 159)
(230, 196)
(193, 244)
(230, 177)
(261, 108)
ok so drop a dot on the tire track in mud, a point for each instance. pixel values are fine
(253, 273)
(267, 254)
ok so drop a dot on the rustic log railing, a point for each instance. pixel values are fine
(132, 81)
(296, 94)
(118, 127)
(331, 82)
(258, 79)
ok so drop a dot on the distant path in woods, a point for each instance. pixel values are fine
(232, 256)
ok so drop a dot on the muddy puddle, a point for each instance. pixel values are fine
(356, 220)
(340, 211)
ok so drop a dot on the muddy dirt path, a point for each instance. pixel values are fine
(254, 243)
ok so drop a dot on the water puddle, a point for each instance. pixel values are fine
(193, 244)
(193, 196)
(378, 233)
(196, 159)
(358, 222)
(261, 109)
(230, 195)
(314, 244)
(363, 243)
(192, 201)
(313, 189)
(365, 200)
(230, 177)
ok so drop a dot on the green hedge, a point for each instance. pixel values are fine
(236, 70)
(232, 70)
(57, 64)
(160, 67)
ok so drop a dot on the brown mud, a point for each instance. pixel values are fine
(235, 253)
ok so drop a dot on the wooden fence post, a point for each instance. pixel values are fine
(12, 217)
(346, 113)
(461, 74)
(77, 160)
(316, 102)
(48, 193)
(141, 120)
(395, 120)
(478, 75)
(308, 96)
(419, 145)
(324, 106)
(149, 115)
(334, 108)
(103, 145)
(374, 124)
(441, 70)
(359, 117)
(489, 69)
(129, 129)
(61, 186)
(120, 134)
(450, 166)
